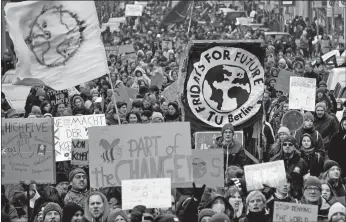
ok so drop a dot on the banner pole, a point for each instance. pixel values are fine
(188, 30)
(113, 98)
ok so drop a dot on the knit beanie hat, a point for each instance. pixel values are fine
(167, 218)
(61, 177)
(35, 110)
(336, 208)
(308, 116)
(290, 139)
(205, 212)
(113, 214)
(284, 129)
(69, 211)
(227, 126)
(320, 90)
(253, 194)
(156, 115)
(313, 181)
(74, 172)
(51, 207)
(323, 83)
(321, 104)
(329, 164)
(40, 92)
(220, 217)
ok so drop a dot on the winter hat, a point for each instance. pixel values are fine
(69, 211)
(227, 126)
(321, 104)
(166, 218)
(284, 129)
(51, 207)
(74, 172)
(320, 90)
(61, 177)
(47, 114)
(308, 116)
(220, 217)
(205, 212)
(76, 97)
(322, 83)
(329, 164)
(336, 208)
(290, 139)
(253, 194)
(146, 113)
(35, 110)
(11, 112)
(40, 92)
(113, 214)
(312, 181)
(143, 90)
(156, 115)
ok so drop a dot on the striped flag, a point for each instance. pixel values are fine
(178, 13)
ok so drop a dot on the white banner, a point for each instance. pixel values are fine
(302, 93)
(133, 10)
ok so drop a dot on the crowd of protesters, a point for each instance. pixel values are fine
(314, 155)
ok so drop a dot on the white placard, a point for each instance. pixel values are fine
(302, 93)
(133, 10)
(152, 193)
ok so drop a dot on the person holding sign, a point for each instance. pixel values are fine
(234, 153)
(256, 203)
(96, 207)
(78, 192)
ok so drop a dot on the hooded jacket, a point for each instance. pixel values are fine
(235, 151)
(76, 110)
(314, 159)
(106, 211)
(316, 138)
(337, 147)
(327, 126)
(229, 211)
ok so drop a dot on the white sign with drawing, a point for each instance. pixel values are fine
(302, 93)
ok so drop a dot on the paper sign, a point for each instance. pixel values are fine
(121, 95)
(205, 140)
(243, 21)
(133, 10)
(171, 93)
(152, 193)
(132, 92)
(57, 97)
(111, 50)
(271, 174)
(80, 152)
(112, 26)
(117, 20)
(27, 151)
(141, 3)
(140, 151)
(68, 127)
(126, 49)
(284, 211)
(283, 81)
(302, 93)
(73, 91)
(167, 45)
(207, 167)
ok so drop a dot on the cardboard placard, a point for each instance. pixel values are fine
(152, 193)
(133, 10)
(207, 167)
(132, 92)
(283, 81)
(56, 97)
(121, 95)
(27, 151)
(171, 93)
(139, 151)
(80, 152)
(126, 49)
(302, 93)
(205, 140)
(68, 127)
(284, 211)
(111, 50)
(271, 174)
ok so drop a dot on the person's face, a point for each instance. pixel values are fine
(52, 216)
(218, 206)
(119, 218)
(326, 191)
(78, 103)
(174, 75)
(142, 83)
(228, 135)
(338, 217)
(320, 95)
(113, 77)
(308, 123)
(334, 172)
(171, 110)
(164, 79)
(41, 98)
(61, 108)
(113, 59)
(164, 108)
(282, 65)
(95, 94)
(133, 118)
(272, 84)
(286, 107)
(62, 187)
(96, 206)
(287, 147)
(123, 109)
(124, 79)
(308, 68)
(78, 217)
(144, 118)
(235, 200)
(319, 112)
(282, 136)
(283, 188)
(312, 194)
(256, 204)
(343, 124)
(47, 107)
(206, 219)
(79, 181)
(265, 97)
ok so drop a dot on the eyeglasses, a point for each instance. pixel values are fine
(78, 177)
(310, 189)
(287, 144)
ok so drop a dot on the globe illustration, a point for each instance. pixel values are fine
(226, 88)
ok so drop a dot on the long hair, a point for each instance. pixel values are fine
(51, 194)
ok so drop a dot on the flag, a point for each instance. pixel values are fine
(57, 43)
(178, 13)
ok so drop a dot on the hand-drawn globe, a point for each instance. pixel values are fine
(199, 168)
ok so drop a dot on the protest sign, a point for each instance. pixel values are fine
(140, 151)
(121, 95)
(205, 140)
(243, 21)
(284, 211)
(27, 151)
(283, 81)
(302, 93)
(117, 20)
(271, 174)
(152, 193)
(171, 93)
(132, 92)
(56, 97)
(207, 167)
(157, 80)
(80, 152)
(133, 10)
(68, 127)
(111, 50)
(167, 44)
(126, 49)
(141, 3)
(73, 91)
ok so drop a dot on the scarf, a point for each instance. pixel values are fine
(257, 216)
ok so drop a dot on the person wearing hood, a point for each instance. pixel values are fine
(325, 123)
(220, 205)
(312, 191)
(294, 164)
(329, 95)
(276, 148)
(337, 213)
(236, 198)
(96, 207)
(52, 212)
(78, 106)
(256, 204)
(205, 215)
(314, 159)
(321, 96)
(332, 175)
(337, 151)
(173, 114)
(309, 128)
(72, 212)
(234, 153)
(79, 192)
(117, 216)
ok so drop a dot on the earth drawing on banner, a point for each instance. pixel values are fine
(226, 88)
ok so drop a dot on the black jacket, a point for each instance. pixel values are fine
(337, 147)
